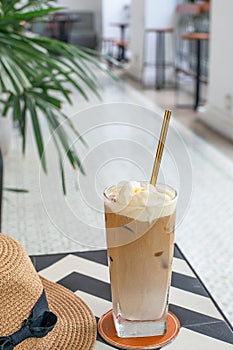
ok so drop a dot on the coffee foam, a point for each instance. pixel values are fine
(140, 201)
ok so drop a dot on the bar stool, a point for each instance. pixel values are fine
(198, 38)
(160, 59)
(122, 46)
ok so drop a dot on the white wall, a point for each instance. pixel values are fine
(219, 112)
(159, 14)
(112, 11)
(85, 5)
(137, 37)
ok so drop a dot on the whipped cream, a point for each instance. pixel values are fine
(141, 201)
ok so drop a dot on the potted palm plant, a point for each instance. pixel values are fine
(33, 69)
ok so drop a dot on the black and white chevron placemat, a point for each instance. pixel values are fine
(203, 326)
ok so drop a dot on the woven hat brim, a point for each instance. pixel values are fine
(76, 324)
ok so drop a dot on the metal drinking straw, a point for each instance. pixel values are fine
(160, 147)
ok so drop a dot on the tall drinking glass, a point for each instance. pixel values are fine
(140, 242)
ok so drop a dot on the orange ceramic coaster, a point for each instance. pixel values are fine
(107, 331)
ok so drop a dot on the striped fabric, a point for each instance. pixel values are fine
(203, 326)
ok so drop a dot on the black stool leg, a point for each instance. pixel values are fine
(1, 185)
(160, 61)
(198, 72)
(163, 59)
(109, 50)
(119, 53)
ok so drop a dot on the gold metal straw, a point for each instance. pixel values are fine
(160, 147)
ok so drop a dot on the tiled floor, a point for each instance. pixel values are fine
(168, 98)
(122, 133)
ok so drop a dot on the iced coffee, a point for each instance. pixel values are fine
(140, 221)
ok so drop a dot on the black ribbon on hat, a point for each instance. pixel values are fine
(38, 325)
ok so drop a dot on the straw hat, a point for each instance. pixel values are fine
(20, 290)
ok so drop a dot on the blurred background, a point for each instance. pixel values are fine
(129, 60)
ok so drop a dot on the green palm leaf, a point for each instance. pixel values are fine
(35, 70)
(37, 131)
